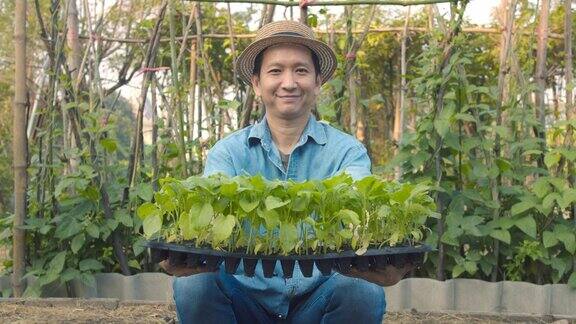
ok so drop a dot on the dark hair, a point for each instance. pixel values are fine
(260, 57)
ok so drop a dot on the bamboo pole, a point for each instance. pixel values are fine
(208, 104)
(399, 123)
(232, 49)
(75, 57)
(154, 157)
(319, 32)
(569, 108)
(20, 148)
(175, 96)
(505, 47)
(100, 179)
(348, 75)
(148, 62)
(352, 46)
(438, 103)
(569, 63)
(40, 82)
(186, 31)
(304, 11)
(540, 74)
(192, 96)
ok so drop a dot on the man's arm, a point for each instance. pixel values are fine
(356, 162)
(219, 160)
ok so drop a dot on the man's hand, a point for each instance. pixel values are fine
(182, 270)
(388, 276)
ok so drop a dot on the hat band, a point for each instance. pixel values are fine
(288, 34)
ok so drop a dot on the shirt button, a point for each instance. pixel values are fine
(279, 316)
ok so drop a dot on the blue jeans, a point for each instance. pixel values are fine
(219, 298)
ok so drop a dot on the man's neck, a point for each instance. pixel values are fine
(285, 133)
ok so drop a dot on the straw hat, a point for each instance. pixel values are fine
(286, 31)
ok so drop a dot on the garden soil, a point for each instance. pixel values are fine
(110, 311)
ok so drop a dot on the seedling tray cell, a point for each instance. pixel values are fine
(325, 266)
(307, 267)
(249, 266)
(188, 254)
(287, 267)
(231, 264)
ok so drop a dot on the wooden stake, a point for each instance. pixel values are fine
(505, 47)
(399, 122)
(540, 75)
(148, 62)
(438, 104)
(568, 66)
(75, 56)
(175, 101)
(20, 148)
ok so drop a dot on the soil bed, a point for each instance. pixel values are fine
(111, 311)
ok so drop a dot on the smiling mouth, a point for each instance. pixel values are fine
(288, 97)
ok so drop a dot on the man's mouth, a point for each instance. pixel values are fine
(288, 97)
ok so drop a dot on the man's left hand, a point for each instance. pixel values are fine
(388, 276)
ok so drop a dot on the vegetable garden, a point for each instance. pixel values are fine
(470, 130)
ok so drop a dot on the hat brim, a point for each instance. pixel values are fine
(326, 56)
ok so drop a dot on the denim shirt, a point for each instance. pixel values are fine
(322, 152)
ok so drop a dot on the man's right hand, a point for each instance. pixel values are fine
(182, 270)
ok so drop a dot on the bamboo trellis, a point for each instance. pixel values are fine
(336, 2)
(320, 32)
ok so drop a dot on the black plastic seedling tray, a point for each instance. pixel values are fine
(187, 254)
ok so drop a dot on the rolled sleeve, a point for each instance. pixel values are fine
(219, 160)
(357, 162)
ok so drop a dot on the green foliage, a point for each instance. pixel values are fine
(69, 236)
(505, 203)
(255, 215)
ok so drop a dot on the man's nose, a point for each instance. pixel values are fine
(288, 81)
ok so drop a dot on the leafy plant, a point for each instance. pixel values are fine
(254, 215)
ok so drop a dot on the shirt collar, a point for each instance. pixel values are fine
(261, 132)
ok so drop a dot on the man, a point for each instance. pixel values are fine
(286, 67)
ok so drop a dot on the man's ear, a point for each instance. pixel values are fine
(318, 85)
(256, 84)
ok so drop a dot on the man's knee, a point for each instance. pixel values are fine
(194, 289)
(361, 294)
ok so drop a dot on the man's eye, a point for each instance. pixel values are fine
(274, 71)
(302, 71)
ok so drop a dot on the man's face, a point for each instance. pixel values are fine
(287, 81)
